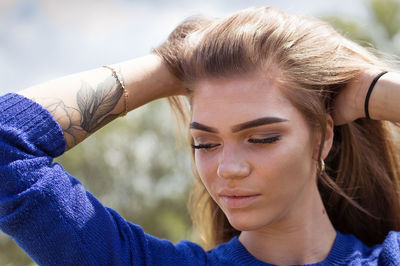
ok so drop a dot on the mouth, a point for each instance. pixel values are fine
(238, 200)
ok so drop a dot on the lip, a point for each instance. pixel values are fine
(236, 199)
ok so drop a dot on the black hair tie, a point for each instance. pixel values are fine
(371, 87)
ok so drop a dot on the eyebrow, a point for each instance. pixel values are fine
(242, 126)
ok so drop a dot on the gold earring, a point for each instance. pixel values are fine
(322, 167)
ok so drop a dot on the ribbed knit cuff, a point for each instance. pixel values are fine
(33, 123)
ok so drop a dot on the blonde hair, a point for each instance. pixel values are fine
(312, 63)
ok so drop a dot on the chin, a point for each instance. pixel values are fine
(246, 222)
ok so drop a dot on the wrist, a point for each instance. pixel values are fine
(362, 84)
(369, 92)
(385, 98)
(146, 79)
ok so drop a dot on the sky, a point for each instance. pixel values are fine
(45, 39)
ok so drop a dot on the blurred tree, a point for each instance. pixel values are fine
(381, 30)
(134, 166)
(351, 29)
(387, 15)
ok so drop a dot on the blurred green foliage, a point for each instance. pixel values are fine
(387, 14)
(135, 166)
(381, 30)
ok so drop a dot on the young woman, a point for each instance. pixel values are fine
(294, 153)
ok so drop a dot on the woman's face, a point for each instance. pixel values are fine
(253, 150)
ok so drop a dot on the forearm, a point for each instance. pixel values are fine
(385, 98)
(84, 102)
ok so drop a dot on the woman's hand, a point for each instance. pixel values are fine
(384, 102)
(349, 104)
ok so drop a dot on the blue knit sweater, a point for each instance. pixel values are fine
(57, 222)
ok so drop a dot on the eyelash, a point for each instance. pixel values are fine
(265, 141)
(204, 146)
(254, 141)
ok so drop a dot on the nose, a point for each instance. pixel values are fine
(232, 165)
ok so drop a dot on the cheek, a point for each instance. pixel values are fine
(301, 160)
(287, 171)
(206, 168)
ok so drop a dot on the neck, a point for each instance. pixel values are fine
(304, 236)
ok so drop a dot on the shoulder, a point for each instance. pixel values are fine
(386, 253)
(390, 249)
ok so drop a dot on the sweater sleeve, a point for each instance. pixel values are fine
(48, 212)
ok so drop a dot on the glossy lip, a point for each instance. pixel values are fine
(235, 199)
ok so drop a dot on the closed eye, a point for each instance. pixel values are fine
(204, 146)
(265, 140)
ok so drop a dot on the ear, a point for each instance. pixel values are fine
(327, 142)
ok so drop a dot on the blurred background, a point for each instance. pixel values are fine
(135, 164)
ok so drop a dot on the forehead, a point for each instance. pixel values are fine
(239, 99)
